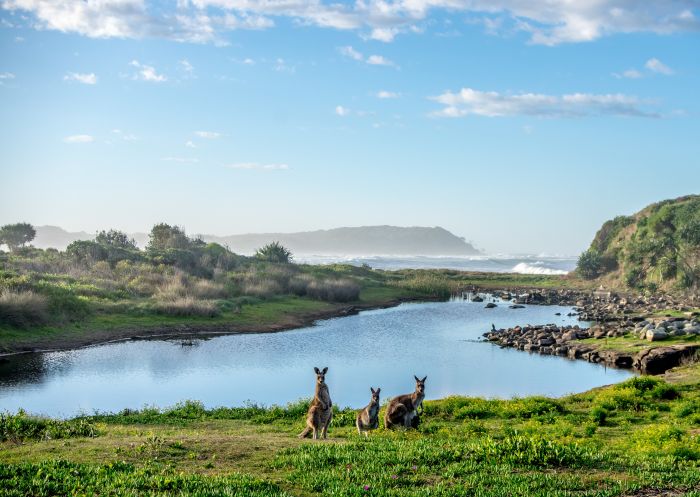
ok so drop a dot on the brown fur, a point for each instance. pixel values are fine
(404, 409)
(321, 409)
(368, 418)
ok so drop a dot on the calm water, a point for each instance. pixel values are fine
(380, 348)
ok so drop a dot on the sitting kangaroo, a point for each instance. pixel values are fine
(368, 418)
(321, 408)
(404, 409)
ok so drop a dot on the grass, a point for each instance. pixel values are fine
(632, 344)
(649, 438)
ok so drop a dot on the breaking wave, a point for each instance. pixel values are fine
(535, 268)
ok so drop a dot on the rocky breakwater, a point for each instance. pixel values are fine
(566, 341)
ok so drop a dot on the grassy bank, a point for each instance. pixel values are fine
(622, 440)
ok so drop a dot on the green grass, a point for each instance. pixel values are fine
(648, 438)
(633, 344)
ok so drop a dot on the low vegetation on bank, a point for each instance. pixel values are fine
(640, 436)
(108, 284)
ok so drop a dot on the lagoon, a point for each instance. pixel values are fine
(380, 348)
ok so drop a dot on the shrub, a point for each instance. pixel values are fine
(342, 290)
(274, 252)
(589, 264)
(187, 306)
(599, 415)
(23, 308)
(21, 426)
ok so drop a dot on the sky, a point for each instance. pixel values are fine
(520, 125)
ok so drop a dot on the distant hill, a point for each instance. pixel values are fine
(365, 240)
(658, 247)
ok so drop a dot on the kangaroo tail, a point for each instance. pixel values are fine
(304, 433)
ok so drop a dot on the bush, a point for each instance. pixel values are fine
(333, 290)
(274, 252)
(23, 308)
(187, 306)
(21, 426)
(589, 264)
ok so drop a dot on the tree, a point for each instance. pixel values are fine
(116, 239)
(87, 251)
(274, 252)
(589, 264)
(163, 236)
(16, 235)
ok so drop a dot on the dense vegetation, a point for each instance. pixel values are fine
(657, 248)
(641, 435)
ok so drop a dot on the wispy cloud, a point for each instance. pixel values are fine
(342, 111)
(6, 76)
(186, 66)
(205, 21)
(79, 139)
(84, 78)
(655, 65)
(255, 165)
(190, 144)
(147, 73)
(374, 60)
(493, 104)
(208, 135)
(383, 94)
(652, 65)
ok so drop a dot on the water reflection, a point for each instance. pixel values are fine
(380, 348)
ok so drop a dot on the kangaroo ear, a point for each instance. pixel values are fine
(317, 371)
(378, 390)
(325, 370)
(372, 390)
(416, 378)
(424, 378)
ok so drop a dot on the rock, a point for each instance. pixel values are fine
(476, 298)
(516, 306)
(490, 305)
(656, 335)
(660, 359)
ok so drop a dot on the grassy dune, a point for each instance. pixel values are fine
(639, 435)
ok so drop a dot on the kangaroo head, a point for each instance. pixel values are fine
(420, 384)
(375, 395)
(321, 375)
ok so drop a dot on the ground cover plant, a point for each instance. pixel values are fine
(640, 437)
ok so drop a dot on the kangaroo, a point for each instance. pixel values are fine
(404, 409)
(320, 410)
(368, 418)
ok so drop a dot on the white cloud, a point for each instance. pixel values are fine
(248, 61)
(255, 165)
(655, 65)
(387, 94)
(147, 73)
(493, 104)
(375, 60)
(190, 144)
(182, 160)
(548, 22)
(186, 66)
(342, 111)
(629, 74)
(6, 76)
(209, 135)
(85, 78)
(350, 52)
(79, 139)
(378, 60)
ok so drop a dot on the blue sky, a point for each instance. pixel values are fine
(521, 126)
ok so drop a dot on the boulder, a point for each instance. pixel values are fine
(656, 335)
(660, 359)
(490, 305)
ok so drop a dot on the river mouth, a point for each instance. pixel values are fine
(379, 348)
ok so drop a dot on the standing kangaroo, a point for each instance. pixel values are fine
(368, 418)
(321, 408)
(403, 410)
